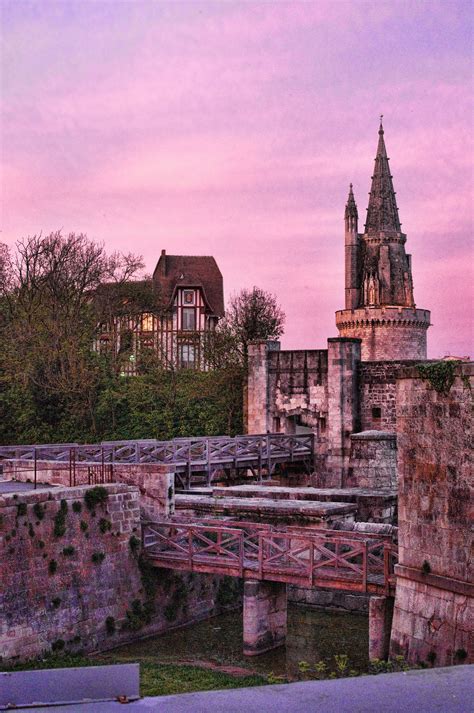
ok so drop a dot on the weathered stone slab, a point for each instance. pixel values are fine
(268, 509)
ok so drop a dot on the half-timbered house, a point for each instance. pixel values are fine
(170, 316)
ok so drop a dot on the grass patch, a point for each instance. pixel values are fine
(166, 679)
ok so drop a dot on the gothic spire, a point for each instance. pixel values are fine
(351, 206)
(382, 213)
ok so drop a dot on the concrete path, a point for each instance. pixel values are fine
(14, 486)
(439, 690)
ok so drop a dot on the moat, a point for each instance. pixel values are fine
(313, 636)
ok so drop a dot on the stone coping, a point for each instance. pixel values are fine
(374, 436)
(59, 493)
(312, 494)
(267, 506)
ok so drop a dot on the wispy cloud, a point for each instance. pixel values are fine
(234, 129)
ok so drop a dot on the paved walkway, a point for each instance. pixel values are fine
(14, 486)
(441, 690)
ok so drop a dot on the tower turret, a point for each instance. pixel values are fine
(352, 257)
(378, 279)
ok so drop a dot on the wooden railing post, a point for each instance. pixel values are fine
(386, 567)
(190, 547)
(260, 554)
(364, 566)
(269, 458)
(311, 562)
(34, 457)
(208, 463)
(241, 553)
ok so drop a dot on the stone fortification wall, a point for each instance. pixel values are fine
(315, 390)
(377, 392)
(298, 390)
(434, 605)
(72, 579)
(373, 461)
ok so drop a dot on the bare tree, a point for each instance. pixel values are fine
(51, 318)
(253, 314)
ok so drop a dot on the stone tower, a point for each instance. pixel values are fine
(379, 305)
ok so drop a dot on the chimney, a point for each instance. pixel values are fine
(163, 263)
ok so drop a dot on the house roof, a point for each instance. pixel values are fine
(173, 271)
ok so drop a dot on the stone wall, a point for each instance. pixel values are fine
(377, 387)
(154, 481)
(434, 605)
(373, 461)
(307, 391)
(343, 407)
(298, 391)
(72, 579)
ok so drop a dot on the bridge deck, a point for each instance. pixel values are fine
(195, 460)
(303, 556)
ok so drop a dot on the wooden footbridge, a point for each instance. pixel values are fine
(197, 461)
(303, 556)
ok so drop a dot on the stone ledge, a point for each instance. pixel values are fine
(374, 436)
(455, 586)
(58, 493)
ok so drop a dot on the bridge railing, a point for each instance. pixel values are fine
(292, 555)
(212, 448)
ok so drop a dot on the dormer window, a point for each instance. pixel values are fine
(188, 297)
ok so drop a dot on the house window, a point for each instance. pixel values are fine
(188, 297)
(276, 424)
(188, 356)
(189, 319)
(147, 323)
(376, 412)
(322, 425)
(104, 345)
(126, 341)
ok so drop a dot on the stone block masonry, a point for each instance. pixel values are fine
(265, 616)
(72, 578)
(377, 387)
(373, 461)
(434, 603)
(154, 481)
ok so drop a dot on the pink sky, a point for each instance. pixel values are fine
(234, 129)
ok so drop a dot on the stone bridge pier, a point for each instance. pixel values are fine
(380, 626)
(265, 616)
(265, 619)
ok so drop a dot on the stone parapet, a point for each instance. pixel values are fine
(387, 333)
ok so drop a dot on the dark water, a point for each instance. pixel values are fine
(312, 636)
